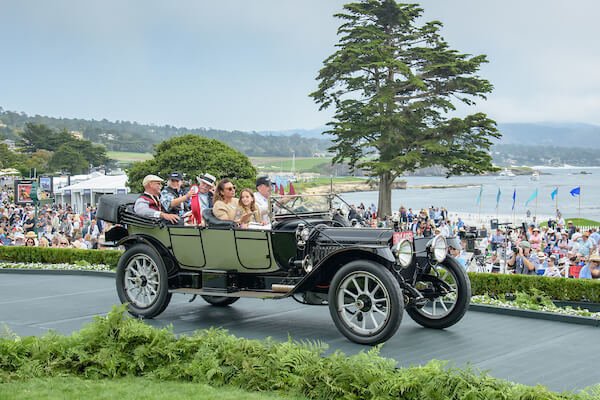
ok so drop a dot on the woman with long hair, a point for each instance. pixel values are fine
(226, 203)
(247, 210)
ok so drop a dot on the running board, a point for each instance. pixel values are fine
(241, 293)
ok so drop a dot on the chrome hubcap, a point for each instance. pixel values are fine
(363, 303)
(142, 281)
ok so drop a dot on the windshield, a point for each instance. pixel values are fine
(307, 204)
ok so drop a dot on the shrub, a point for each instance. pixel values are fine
(119, 346)
(560, 289)
(49, 255)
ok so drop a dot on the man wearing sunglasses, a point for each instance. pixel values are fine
(149, 205)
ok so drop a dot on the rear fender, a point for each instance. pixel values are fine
(170, 262)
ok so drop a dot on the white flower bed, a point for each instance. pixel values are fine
(577, 312)
(80, 266)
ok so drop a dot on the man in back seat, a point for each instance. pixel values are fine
(149, 205)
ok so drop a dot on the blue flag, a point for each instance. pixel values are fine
(554, 193)
(514, 197)
(575, 191)
(498, 197)
(478, 201)
(532, 197)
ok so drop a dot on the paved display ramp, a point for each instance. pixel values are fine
(558, 355)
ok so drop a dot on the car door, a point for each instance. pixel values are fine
(187, 246)
(254, 249)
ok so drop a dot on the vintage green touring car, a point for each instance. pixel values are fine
(367, 277)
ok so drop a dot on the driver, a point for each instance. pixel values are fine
(148, 204)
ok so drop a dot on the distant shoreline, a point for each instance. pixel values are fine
(347, 187)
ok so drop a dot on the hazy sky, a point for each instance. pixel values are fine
(250, 64)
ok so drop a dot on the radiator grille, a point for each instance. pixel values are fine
(320, 252)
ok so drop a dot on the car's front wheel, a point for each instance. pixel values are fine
(220, 301)
(448, 292)
(142, 281)
(365, 302)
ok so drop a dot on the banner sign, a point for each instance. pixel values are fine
(23, 191)
(46, 188)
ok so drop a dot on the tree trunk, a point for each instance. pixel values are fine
(384, 204)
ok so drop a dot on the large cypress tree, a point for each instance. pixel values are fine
(393, 84)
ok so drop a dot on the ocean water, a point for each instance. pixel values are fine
(463, 200)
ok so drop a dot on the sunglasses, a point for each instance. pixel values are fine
(229, 188)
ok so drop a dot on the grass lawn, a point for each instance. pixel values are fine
(127, 156)
(124, 388)
(577, 222)
(324, 181)
(284, 164)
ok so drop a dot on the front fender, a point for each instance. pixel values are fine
(323, 271)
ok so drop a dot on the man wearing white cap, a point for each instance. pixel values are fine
(206, 190)
(148, 204)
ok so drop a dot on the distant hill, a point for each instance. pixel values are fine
(544, 140)
(558, 135)
(141, 138)
(308, 133)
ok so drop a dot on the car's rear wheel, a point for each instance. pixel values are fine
(447, 302)
(365, 302)
(142, 281)
(220, 301)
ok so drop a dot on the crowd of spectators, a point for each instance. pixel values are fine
(557, 249)
(55, 226)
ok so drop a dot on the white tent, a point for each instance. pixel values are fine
(88, 191)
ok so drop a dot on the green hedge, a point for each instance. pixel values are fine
(118, 346)
(49, 255)
(556, 288)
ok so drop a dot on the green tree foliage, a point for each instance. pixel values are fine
(68, 153)
(8, 158)
(35, 137)
(67, 158)
(194, 155)
(392, 84)
(38, 160)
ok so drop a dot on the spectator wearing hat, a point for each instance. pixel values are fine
(19, 239)
(148, 204)
(542, 263)
(30, 238)
(586, 246)
(564, 244)
(262, 197)
(535, 240)
(592, 269)
(523, 261)
(173, 198)
(206, 190)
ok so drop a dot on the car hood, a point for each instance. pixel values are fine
(360, 236)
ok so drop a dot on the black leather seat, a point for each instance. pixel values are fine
(213, 222)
